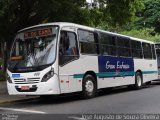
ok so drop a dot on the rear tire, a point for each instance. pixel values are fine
(138, 81)
(89, 87)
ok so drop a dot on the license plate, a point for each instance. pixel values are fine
(25, 88)
(15, 75)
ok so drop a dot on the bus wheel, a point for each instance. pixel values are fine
(138, 81)
(89, 87)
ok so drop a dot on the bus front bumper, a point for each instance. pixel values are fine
(51, 87)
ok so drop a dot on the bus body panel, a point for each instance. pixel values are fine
(73, 73)
(115, 71)
(148, 69)
(115, 81)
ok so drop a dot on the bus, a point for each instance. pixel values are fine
(157, 46)
(59, 58)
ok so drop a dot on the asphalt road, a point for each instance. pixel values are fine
(117, 101)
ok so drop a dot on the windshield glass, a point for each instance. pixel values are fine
(33, 48)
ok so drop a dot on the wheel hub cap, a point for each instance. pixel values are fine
(89, 86)
(139, 81)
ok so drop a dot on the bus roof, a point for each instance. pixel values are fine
(62, 24)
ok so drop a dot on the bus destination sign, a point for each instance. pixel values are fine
(38, 33)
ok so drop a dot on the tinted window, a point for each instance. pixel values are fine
(88, 43)
(108, 44)
(153, 52)
(136, 49)
(147, 52)
(68, 49)
(123, 46)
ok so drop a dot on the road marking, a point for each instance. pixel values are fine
(77, 118)
(22, 110)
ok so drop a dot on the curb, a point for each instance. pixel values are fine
(5, 98)
(2, 102)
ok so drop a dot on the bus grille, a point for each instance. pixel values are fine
(27, 81)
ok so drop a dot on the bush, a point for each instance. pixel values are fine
(146, 34)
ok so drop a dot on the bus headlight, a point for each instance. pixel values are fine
(48, 75)
(8, 78)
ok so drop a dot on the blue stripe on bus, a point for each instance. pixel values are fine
(115, 74)
(149, 72)
(78, 75)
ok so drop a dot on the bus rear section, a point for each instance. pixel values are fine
(158, 58)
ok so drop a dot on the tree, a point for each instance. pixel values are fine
(18, 14)
(150, 16)
(122, 11)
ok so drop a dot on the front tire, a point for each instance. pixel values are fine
(89, 87)
(138, 81)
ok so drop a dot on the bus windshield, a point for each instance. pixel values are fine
(33, 48)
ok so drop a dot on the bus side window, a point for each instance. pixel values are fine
(153, 52)
(136, 49)
(68, 50)
(147, 51)
(107, 44)
(123, 46)
(88, 42)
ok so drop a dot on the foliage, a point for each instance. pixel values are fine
(147, 22)
(17, 14)
(122, 11)
(150, 16)
(143, 34)
(137, 18)
(108, 14)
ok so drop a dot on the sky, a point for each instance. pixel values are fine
(89, 1)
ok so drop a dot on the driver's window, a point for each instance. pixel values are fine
(68, 50)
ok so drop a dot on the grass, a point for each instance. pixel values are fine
(143, 34)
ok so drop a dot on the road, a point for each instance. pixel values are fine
(117, 101)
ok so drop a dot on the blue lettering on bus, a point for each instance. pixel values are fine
(115, 66)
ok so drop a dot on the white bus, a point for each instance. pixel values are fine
(58, 58)
(157, 46)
